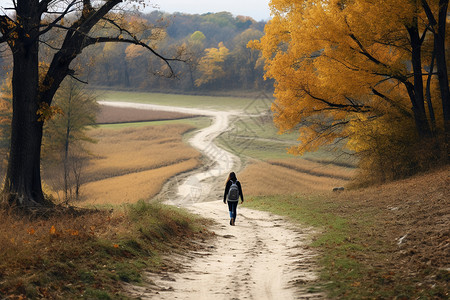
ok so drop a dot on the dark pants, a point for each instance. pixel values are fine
(232, 205)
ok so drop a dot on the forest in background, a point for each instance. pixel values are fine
(212, 49)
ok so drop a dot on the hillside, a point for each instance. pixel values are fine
(381, 242)
(413, 217)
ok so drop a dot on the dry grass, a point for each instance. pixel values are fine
(390, 241)
(30, 247)
(135, 186)
(285, 177)
(89, 255)
(134, 163)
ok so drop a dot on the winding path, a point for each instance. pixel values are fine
(262, 257)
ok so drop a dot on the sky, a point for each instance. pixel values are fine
(257, 9)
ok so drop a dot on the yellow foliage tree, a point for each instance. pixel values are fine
(211, 66)
(335, 61)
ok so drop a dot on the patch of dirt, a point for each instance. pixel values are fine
(110, 115)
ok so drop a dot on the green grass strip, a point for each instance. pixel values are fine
(343, 273)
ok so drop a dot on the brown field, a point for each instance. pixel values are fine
(289, 176)
(134, 163)
(110, 115)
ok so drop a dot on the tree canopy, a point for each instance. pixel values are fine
(199, 35)
(340, 63)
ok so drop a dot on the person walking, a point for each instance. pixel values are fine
(233, 191)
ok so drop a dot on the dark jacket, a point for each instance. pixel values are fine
(227, 188)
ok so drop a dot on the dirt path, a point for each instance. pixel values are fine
(262, 257)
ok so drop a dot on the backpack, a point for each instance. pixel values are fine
(233, 192)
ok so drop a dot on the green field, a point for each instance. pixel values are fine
(198, 122)
(248, 105)
(257, 137)
(252, 134)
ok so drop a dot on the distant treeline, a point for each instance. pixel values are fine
(213, 47)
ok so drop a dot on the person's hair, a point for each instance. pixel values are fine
(232, 177)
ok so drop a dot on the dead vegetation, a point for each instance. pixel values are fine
(134, 163)
(90, 255)
(290, 176)
(389, 241)
(409, 228)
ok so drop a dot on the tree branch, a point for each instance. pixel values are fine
(5, 28)
(393, 103)
(365, 52)
(429, 13)
(353, 108)
(58, 19)
(72, 74)
(90, 41)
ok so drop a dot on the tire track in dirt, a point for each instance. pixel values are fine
(262, 257)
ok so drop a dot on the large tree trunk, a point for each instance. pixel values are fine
(441, 63)
(438, 27)
(416, 93)
(22, 185)
(23, 180)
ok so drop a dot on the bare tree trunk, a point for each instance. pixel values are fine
(66, 165)
(67, 146)
(416, 92)
(439, 50)
(428, 95)
(441, 63)
(22, 185)
(77, 168)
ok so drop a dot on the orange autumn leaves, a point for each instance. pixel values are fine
(328, 58)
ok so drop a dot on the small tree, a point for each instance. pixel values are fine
(65, 133)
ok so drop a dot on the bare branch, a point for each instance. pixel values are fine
(90, 41)
(50, 46)
(72, 74)
(58, 19)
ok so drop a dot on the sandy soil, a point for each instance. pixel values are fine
(262, 257)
